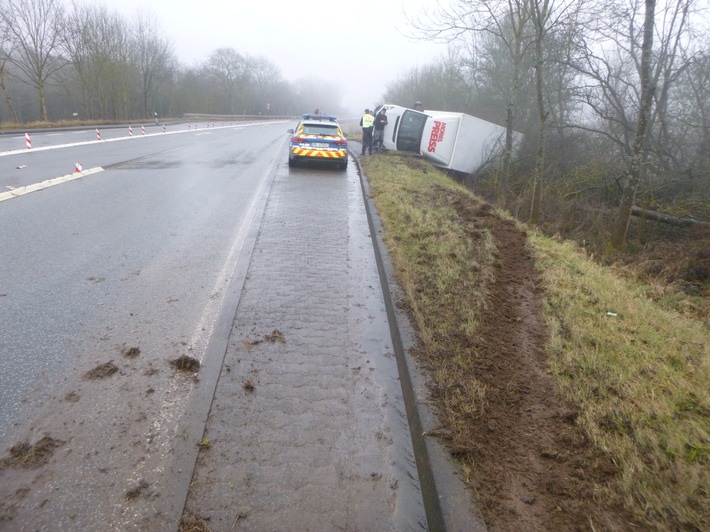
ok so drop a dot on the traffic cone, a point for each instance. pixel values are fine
(77, 167)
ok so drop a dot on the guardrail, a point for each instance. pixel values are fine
(234, 118)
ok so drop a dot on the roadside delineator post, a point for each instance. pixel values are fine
(28, 142)
(98, 134)
(130, 131)
(143, 129)
(77, 167)
(164, 128)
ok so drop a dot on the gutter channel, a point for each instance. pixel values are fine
(447, 500)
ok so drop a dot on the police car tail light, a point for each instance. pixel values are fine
(341, 142)
(298, 139)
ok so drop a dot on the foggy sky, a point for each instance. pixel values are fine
(361, 46)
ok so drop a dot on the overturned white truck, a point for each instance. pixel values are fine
(455, 141)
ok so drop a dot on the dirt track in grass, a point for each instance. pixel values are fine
(531, 466)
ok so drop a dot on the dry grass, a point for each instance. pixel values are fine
(192, 522)
(428, 244)
(26, 455)
(275, 336)
(102, 371)
(185, 364)
(445, 288)
(641, 375)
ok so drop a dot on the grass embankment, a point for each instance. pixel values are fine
(637, 370)
(641, 374)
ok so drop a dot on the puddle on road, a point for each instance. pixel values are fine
(148, 165)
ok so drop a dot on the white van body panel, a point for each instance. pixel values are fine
(454, 141)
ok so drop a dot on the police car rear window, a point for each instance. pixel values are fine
(320, 130)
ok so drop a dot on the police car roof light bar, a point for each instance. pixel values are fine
(319, 117)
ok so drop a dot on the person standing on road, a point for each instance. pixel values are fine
(366, 122)
(379, 132)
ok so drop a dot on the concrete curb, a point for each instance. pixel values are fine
(447, 499)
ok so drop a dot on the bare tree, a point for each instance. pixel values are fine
(100, 47)
(5, 53)
(638, 154)
(508, 22)
(35, 31)
(440, 85)
(671, 59)
(693, 112)
(546, 17)
(610, 62)
(229, 69)
(265, 77)
(154, 56)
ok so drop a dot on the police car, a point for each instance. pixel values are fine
(318, 138)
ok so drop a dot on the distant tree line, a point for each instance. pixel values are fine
(613, 97)
(62, 61)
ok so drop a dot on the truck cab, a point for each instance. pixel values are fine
(404, 129)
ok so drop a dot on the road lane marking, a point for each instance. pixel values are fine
(21, 191)
(70, 145)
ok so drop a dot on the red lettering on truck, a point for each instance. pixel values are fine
(437, 135)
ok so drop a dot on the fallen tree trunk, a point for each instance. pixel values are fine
(667, 219)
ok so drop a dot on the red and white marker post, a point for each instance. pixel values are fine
(130, 131)
(143, 129)
(98, 134)
(28, 142)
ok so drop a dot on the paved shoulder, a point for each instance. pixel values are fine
(307, 431)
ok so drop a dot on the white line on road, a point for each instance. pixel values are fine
(202, 132)
(21, 191)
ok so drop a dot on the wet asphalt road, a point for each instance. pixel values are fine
(154, 252)
(112, 259)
